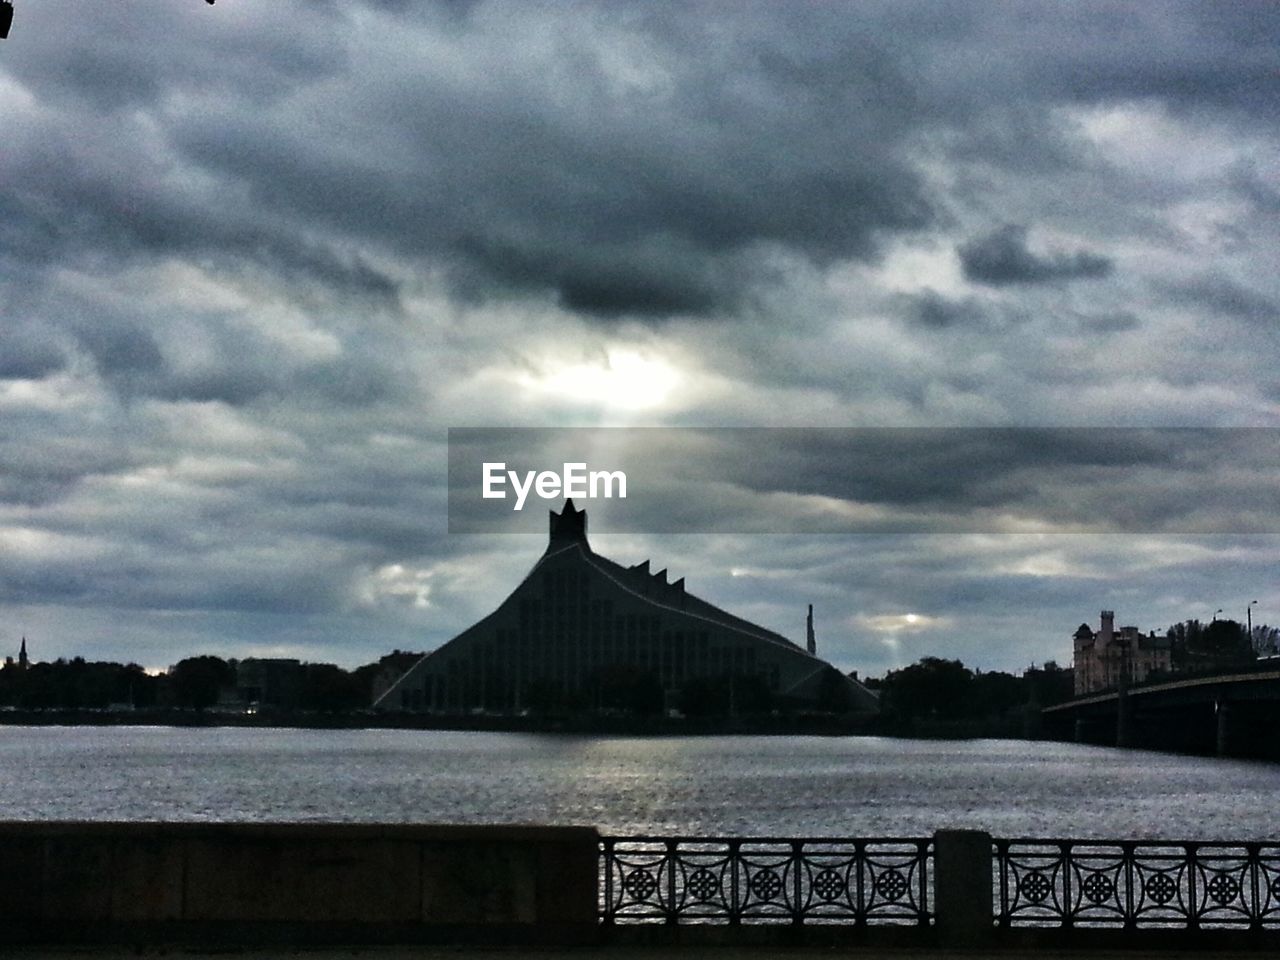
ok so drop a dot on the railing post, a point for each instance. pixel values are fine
(1193, 891)
(962, 887)
(1256, 897)
(860, 862)
(735, 895)
(606, 858)
(1002, 858)
(1129, 850)
(672, 859)
(1068, 915)
(797, 864)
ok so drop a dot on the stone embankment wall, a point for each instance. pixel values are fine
(296, 883)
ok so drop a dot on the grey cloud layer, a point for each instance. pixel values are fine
(254, 258)
(626, 159)
(718, 481)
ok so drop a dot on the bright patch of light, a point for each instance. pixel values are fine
(1047, 565)
(911, 269)
(1145, 136)
(397, 583)
(758, 573)
(896, 623)
(627, 379)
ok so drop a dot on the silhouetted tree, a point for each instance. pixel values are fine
(1265, 640)
(329, 688)
(76, 684)
(1226, 644)
(1049, 684)
(933, 687)
(197, 681)
(1185, 644)
(995, 694)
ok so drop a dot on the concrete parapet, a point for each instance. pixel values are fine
(231, 883)
(962, 887)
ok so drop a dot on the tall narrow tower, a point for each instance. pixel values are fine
(811, 640)
(22, 655)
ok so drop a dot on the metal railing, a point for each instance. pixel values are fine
(1136, 884)
(737, 881)
(1056, 884)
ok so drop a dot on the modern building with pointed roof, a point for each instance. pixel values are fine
(579, 622)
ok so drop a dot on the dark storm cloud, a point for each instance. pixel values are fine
(140, 54)
(886, 480)
(217, 356)
(27, 353)
(616, 200)
(628, 160)
(1220, 55)
(1002, 258)
(1110, 322)
(1246, 178)
(39, 476)
(96, 209)
(931, 309)
(1225, 297)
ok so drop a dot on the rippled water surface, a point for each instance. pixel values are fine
(780, 786)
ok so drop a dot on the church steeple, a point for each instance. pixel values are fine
(22, 655)
(568, 526)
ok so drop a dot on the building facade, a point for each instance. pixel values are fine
(1103, 657)
(269, 682)
(579, 622)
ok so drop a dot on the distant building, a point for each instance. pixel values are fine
(269, 681)
(1103, 657)
(579, 625)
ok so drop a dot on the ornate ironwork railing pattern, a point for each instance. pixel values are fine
(1136, 884)
(732, 881)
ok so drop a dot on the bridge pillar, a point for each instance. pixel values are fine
(1124, 720)
(1079, 732)
(1223, 739)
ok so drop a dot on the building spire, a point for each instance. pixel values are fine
(568, 526)
(22, 655)
(811, 640)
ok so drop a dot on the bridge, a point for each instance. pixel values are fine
(1231, 715)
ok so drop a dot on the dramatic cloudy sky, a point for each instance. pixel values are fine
(256, 258)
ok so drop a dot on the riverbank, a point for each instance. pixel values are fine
(797, 725)
(604, 725)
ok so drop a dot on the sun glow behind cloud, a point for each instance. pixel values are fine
(627, 379)
(897, 623)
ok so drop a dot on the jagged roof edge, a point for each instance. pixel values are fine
(548, 554)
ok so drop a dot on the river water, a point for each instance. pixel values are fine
(746, 786)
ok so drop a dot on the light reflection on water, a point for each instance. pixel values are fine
(754, 786)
